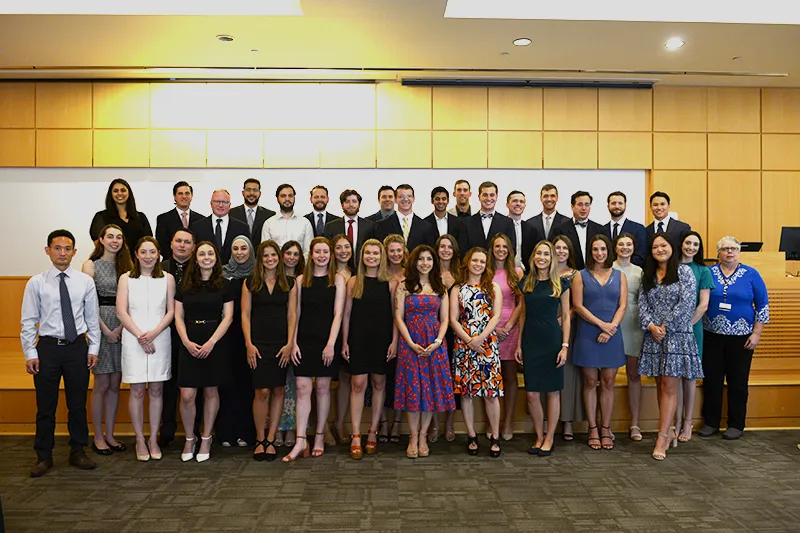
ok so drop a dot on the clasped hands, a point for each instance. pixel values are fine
(608, 330)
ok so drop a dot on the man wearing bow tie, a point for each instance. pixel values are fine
(579, 229)
(487, 223)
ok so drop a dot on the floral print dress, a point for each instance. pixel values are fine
(476, 374)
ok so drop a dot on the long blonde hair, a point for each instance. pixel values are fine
(383, 275)
(533, 273)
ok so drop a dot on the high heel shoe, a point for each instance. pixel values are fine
(260, 456)
(189, 456)
(660, 456)
(610, 437)
(673, 435)
(306, 452)
(683, 436)
(203, 457)
(316, 452)
(269, 457)
(143, 457)
(372, 445)
(356, 452)
(495, 442)
(156, 456)
(470, 441)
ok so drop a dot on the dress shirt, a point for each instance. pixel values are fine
(409, 219)
(180, 217)
(41, 303)
(656, 222)
(518, 252)
(621, 223)
(224, 220)
(441, 224)
(282, 228)
(355, 229)
(547, 222)
(486, 222)
(248, 212)
(581, 231)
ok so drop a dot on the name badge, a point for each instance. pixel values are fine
(724, 307)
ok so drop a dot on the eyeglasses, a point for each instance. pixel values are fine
(220, 202)
(729, 249)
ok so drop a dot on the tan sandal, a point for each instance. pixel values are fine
(635, 433)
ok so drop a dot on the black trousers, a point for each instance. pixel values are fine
(725, 359)
(235, 418)
(56, 362)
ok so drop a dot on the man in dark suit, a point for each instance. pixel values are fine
(174, 219)
(220, 228)
(525, 234)
(404, 222)
(617, 203)
(579, 229)
(486, 223)
(659, 205)
(444, 222)
(356, 228)
(250, 212)
(386, 201)
(319, 217)
(549, 218)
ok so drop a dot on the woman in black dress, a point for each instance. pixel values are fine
(345, 267)
(320, 305)
(269, 315)
(369, 339)
(203, 314)
(121, 210)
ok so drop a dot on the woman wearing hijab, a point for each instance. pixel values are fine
(235, 422)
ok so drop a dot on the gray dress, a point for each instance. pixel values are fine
(109, 359)
(632, 334)
(572, 393)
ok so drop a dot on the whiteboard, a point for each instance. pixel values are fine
(39, 200)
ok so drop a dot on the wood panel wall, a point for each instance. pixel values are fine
(729, 157)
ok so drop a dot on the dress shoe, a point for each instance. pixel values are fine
(41, 467)
(707, 431)
(118, 448)
(732, 434)
(203, 457)
(79, 460)
(101, 451)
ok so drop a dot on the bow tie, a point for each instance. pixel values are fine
(581, 224)
(487, 215)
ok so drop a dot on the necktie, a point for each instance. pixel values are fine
(70, 333)
(350, 231)
(581, 224)
(185, 219)
(616, 230)
(251, 219)
(218, 234)
(320, 226)
(547, 222)
(405, 229)
(660, 227)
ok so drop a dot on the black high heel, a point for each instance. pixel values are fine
(260, 456)
(269, 457)
(493, 441)
(471, 441)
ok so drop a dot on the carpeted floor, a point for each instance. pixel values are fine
(705, 485)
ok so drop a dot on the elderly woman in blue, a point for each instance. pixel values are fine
(738, 308)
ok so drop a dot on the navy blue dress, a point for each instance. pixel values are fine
(602, 301)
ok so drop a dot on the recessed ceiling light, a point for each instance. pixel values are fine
(673, 43)
(522, 41)
(225, 38)
(736, 58)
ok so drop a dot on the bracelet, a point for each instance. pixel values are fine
(438, 341)
(565, 345)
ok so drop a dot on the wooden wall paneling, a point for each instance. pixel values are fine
(515, 149)
(63, 148)
(178, 148)
(293, 105)
(63, 105)
(734, 109)
(235, 149)
(734, 151)
(780, 110)
(178, 106)
(347, 106)
(405, 149)
(12, 289)
(570, 149)
(734, 206)
(625, 150)
(625, 110)
(779, 194)
(570, 109)
(236, 106)
(403, 108)
(17, 105)
(680, 151)
(347, 149)
(121, 148)
(512, 108)
(780, 152)
(679, 109)
(688, 192)
(121, 105)
(291, 149)
(460, 108)
(17, 148)
(460, 149)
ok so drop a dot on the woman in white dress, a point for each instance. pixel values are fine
(145, 307)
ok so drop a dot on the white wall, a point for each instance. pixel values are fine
(40, 200)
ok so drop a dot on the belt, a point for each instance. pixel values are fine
(204, 321)
(107, 300)
(62, 342)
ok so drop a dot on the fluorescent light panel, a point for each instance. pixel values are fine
(152, 7)
(719, 11)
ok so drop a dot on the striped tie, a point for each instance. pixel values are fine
(406, 229)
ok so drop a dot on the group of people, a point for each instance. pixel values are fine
(251, 315)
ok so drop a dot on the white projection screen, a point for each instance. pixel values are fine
(39, 200)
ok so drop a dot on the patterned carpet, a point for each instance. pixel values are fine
(706, 485)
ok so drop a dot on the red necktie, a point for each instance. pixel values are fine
(350, 231)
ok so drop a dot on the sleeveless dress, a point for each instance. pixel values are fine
(269, 333)
(508, 346)
(632, 334)
(371, 329)
(476, 374)
(109, 359)
(542, 339)
(602, 301)
(422, 383)
(147, 305)
(316, 318)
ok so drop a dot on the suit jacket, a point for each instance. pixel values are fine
(262, 214)
(375, 217)
(365, 232)
(638, 232)
(166, 226)
(531, 235)
(327, 219)
(675, 229)
(421, 231)
(455, 227)
(538, 223)
(473, 228)
(204, 231)
(567, 228)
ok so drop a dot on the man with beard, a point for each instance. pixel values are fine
(356, 228)
(617, 203)
(549, 218)
(179, 218)
(287, 226)
(386, 201)
(319, 218)
(220, 228)
(462, 193)
(415, 231)
(250, 212)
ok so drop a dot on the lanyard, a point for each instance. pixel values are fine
(726, 282)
